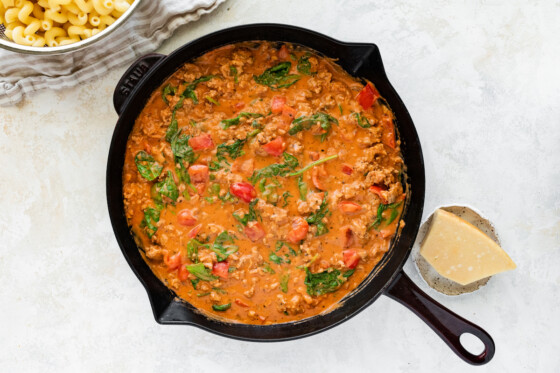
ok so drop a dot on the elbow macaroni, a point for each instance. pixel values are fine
(52, 23)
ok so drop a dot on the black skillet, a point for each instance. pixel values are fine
(360, 60)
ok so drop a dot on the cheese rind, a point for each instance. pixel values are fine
(461, 252)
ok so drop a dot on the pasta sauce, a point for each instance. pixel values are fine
(262, 182)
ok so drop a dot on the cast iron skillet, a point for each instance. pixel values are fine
(360, 60)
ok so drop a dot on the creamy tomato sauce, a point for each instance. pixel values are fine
(262, 182)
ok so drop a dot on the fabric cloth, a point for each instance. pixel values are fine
(151, 23)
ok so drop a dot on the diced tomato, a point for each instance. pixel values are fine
(350, 258)
(378, 190)
(220, 269)
(193, 232)
(288, 114)
(254, 231)
(239, 302)
(349, 207)
(300, 227)
(317, 176)
(238, 106)
(172, 262)
(199, 174)
(388, 133)
(243, 190)
(283, 52)
(367, 96)
(201, 142)
(183, 273)
(346, 236)
(277, 104)
(347, 169)
(275, 147)
(186, 217)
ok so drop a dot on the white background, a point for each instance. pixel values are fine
(481, 80)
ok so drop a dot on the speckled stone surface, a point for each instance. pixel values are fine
(482, 82)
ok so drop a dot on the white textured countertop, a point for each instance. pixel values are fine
(481, 80)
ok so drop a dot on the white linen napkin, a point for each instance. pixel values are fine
(151, 23)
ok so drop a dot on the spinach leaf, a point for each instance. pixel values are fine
(324, 282)
(195, 282)
(235, 121)
(201, 272)
(168, 188)
(234, 150)
(189, 90)
(277, 259)
(252, 215)
(382, 207)
(233, 72)
(181, 148)
(317, 217)
(284, 283)
(223, 251)
(147, 166)
(277, 76)
(222, 307)
(276, 169)
(173, 128)
(281, 244)
(362, 121)
(304, 66)
(168, 90)
(302, 186)
(324, 120)
(192, 249)
(151, 217)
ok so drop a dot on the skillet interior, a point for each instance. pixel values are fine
(360, 60)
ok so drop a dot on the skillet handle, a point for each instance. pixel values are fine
(132, 77)
(448, 325)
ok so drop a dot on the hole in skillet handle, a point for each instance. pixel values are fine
(132, 76)
(448, 325)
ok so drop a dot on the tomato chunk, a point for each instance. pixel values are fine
(349, 207)
(367, 96)
(220, 269)
(183, 273)
(254, 231)
(346, 236)
(318, 176)
(388, 133)
(193, 232)
(350, 258)
(243, 190)
(277, 104)
(288, 114)
(379, 191)
(300, 227)
(172, 262)
(347, 169)
(238, 106)
(185, 217)
(201, 142)
(275, 147)
(199, 174)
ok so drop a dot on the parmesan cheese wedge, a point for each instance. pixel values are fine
(461, 252)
